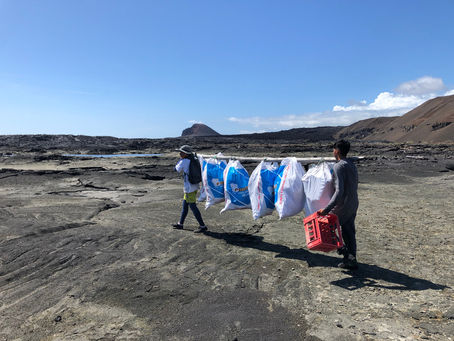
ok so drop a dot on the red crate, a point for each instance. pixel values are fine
(323, 233)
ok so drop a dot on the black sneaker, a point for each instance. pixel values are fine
(177, 226)
(349, 263)
(342, 251)
(201, 229)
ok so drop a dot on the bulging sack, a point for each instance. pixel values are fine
(213, 181)
(236, 191)
(261, 189)
(319, 187)
(289, 195)
(203, 194)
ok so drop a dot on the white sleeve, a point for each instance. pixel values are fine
(179, 167)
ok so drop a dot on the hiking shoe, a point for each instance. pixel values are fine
(201, 229)
(349, 263)
(342, 251)
(177, 226)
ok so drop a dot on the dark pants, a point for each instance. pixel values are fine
(349, 235)
(194, 210)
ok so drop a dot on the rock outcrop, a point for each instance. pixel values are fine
(199, 129)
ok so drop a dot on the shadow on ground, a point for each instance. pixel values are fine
(366, 276)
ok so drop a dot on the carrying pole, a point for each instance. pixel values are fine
(303, 160)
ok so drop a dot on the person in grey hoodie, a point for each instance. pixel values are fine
(344, 203)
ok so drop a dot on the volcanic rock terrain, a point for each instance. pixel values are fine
(87, 251)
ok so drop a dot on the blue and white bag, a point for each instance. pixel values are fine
(213, 181)
(261, 189)
(236, 187)
(289, 197)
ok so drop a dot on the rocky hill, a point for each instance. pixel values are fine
(199, 129)
(301, 134)
(364, 128)
(431, 122)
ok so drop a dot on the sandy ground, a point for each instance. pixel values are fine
(87, 253)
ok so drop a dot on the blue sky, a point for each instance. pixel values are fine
(149, 68)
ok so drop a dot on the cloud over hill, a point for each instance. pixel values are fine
(404, 98)
(432, 121)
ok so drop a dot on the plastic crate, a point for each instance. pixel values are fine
(323, 233)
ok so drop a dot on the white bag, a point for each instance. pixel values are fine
(261, 189)
(213, 181)
(203, 194)
(289, 196)
(319, 187)
(236, 191)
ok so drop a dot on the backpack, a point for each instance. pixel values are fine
(195, 172)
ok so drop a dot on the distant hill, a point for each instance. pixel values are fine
(199, 129)
(364, 128)
(301, 134)
(432, 122)
(304, 134)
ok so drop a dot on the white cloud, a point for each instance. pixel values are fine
(387, 104)
(261, 124)
(421, 86)
(411, 94)
(195, 122)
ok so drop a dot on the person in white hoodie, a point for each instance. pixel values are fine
(190, 191)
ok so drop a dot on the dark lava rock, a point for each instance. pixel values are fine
(153, 177)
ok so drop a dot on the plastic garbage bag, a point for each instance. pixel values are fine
(213, 181)
(261, 189)
(289, 195)
(236, 179)
(318, 187)
(202, 193)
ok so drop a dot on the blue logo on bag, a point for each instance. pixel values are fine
(268, 177)
(237, 186)
(215, 177)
